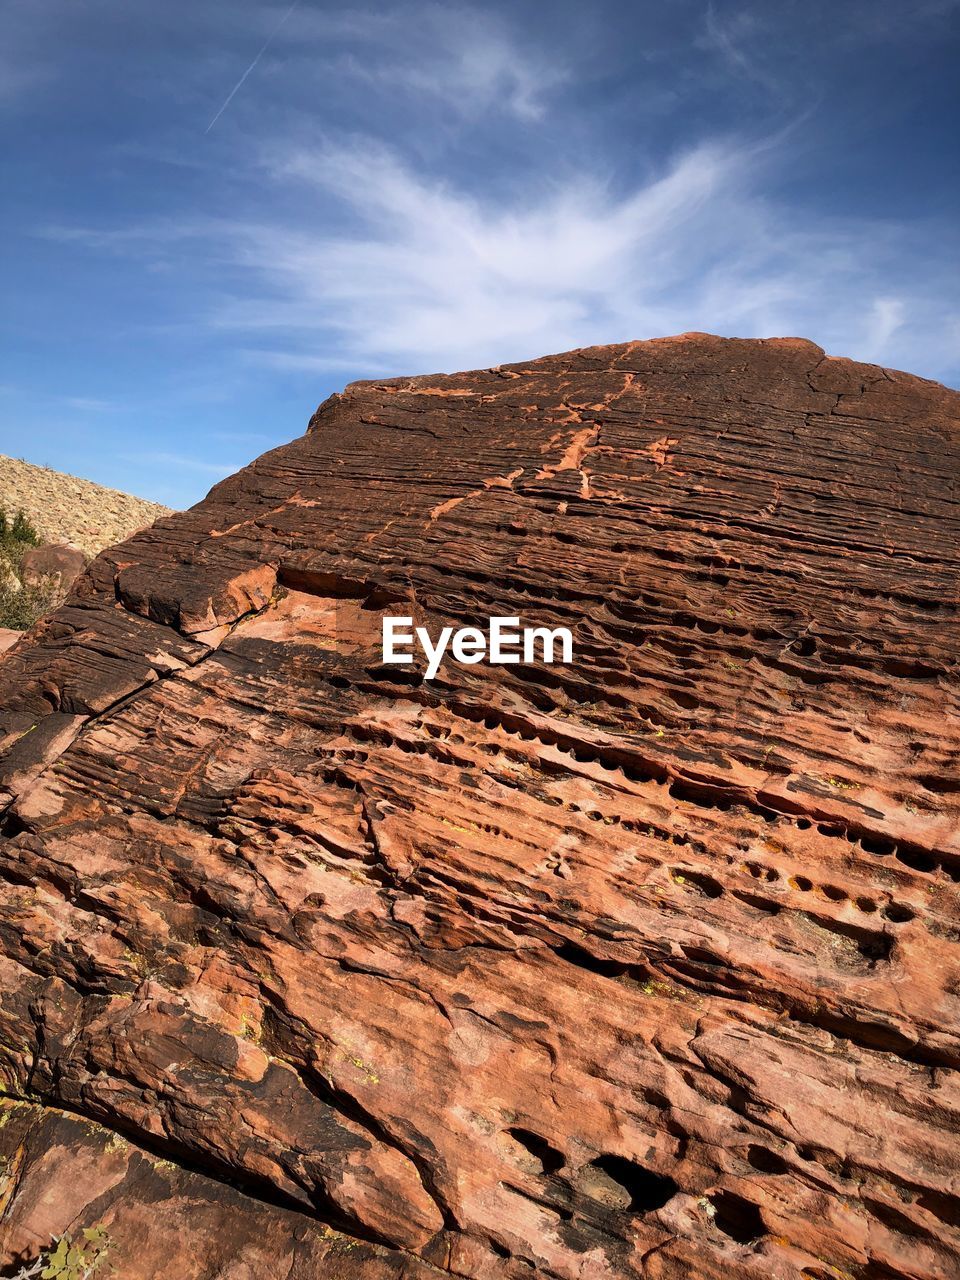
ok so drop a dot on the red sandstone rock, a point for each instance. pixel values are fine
(63, 1175)
(62, 563)
(646, 966)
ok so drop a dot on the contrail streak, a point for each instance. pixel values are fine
(266, 45)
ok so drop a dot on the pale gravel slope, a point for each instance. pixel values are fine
(67, 509)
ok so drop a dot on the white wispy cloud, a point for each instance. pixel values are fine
(433, 273)
(733, 37)
(460, 57)
(371, 256)
(432, 276)
(423, 274)
(134, 238)
(885, 318)
(92, 404)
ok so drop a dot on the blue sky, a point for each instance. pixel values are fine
(412, 188)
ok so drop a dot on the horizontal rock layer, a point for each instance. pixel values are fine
(61, 1176)
(643, 966)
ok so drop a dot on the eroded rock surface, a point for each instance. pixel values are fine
(60, 1176)
(646, 966)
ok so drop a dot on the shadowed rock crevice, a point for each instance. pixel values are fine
(645, 965)
(627, 1185)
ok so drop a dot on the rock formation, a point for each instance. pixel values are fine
(644, 966)
(59, 563)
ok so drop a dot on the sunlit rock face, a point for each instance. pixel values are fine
(642, 964)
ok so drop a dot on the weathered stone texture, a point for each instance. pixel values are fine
(57, 561)
(647, 966)
(61, 1174)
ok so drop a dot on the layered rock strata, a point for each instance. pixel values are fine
(648, 965)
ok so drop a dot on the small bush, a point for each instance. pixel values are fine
(18, 532)
(21, 605)
(21, 608)
(23, 531)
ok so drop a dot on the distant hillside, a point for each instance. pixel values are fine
(66, 509)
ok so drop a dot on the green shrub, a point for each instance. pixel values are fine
(23, 531)
(20, 605)
(17, 532)
(21, 608)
